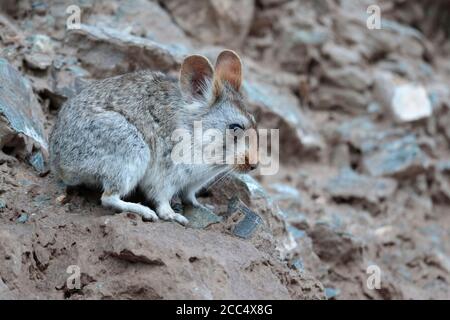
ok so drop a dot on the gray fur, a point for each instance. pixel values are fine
(116, 134)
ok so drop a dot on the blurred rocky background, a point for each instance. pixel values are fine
(364, 119)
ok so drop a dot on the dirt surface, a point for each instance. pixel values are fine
(364, 179)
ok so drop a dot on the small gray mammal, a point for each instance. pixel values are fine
(116, 133)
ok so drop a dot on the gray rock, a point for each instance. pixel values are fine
(168, 253)
(38, 61)
(211, 21)
(105, 51)
(385, 151)
(5, 293)
(21, 117)
(443, 166)
(200, 217)
(335, 246)
(22, 218)
(278, 108)
(250, 221)
(340, 55)
(350, 185)
(331, 293)
(363, 134)
(405, 101)
(349, 77)
(309, 37)
(41, 43)
(441, 178)
(68, 79)
(273, 227)
(270, 3)
(328, 97)
(284, 191)
(397, 158)
(392, 37)
(37, 161)
(133, 17)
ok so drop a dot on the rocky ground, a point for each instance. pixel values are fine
(364, 119)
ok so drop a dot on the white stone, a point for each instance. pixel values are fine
(410, 103)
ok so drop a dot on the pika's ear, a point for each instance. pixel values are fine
(228, 68)
(196, 71)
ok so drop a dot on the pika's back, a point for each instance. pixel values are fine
(129, 90)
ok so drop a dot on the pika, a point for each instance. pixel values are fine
(116, 133)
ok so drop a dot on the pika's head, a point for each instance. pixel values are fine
(230, 138)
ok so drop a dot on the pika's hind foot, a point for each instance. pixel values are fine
(114, 201)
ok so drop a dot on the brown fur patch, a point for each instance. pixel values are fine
(194, 71)
(228, 68)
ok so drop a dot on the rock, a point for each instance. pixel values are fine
(282, 191)
(270, 3)
(21, 117)
(3, 290)
(181, 265)
(41, 43)
(200, 217)
(276, 108)
(269, 235)
(122, 257)
(348, 185)
(133, 17)
(298, 36)
(164, 261)
(10, 33)
(406, 101)
(392, 37)
(349, 77)
(364, 134)
(22, 218)
(331, 293)
(410, 103)
(41, 52)
(340, 55)
(335, 246)
(441, 181)
(38, 61)
(68, 81)
(38, 162)
(213, 21)
(2, 205)
(328, 97)
(398, 158)
(248, 224)
(106, 52)
(385, 152)
(11, 253)
(66, 78)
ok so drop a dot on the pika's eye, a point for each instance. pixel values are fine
(235, 127)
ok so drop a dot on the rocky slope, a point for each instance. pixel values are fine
(364, 149)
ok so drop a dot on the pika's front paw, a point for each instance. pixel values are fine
(148, 214)
(165, 212)
(114, 201)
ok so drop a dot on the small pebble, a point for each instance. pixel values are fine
(62, 199)
(331, 293)
(23, 218)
